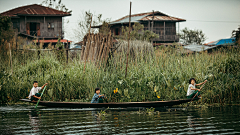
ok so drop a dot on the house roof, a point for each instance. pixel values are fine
(34, 9)
(198, 48)
(227, 41)
(158, 16)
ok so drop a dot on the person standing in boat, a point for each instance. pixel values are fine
(34, 95)
(192, 90)
(97, 96)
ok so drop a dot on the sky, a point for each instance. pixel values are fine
(216, 18)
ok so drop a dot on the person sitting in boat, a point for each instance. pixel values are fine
(97, 96)
(34, 95)
(192, 91)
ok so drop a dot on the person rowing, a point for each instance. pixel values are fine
(192, 90)
(34, 94)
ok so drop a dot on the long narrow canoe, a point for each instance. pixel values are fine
(111, 104)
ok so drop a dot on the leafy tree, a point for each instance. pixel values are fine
(137, 33)
(6, 31)
(188, 36)
(87, 18)
(56, 5)
(236, 34)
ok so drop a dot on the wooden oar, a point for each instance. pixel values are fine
(195, 95)
(40, 96)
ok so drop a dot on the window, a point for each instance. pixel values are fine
(50, 25)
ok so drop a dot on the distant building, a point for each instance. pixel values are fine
(38, 22)
(163, 25)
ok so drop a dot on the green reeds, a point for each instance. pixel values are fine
(160, 74)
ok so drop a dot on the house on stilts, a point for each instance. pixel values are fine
(158, 22)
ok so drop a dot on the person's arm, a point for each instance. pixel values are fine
(194, 88)
(44, 85)
(101, 95)
(201, 83)
(36, 97)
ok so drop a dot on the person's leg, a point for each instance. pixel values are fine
(35, 99)
(192, 95)
(199, 94)
(100, 100)
(38, 94)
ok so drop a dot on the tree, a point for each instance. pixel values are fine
(87, 18)
(56, 5)
(236, 34)
(6, 31)
(188, 36)
(137, 33)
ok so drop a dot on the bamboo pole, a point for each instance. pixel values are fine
(104, 49)
(108, 47)
(101, 48)
(96, 48)
(67, 51)
(87, 50)
(83, 48)
(128, 38)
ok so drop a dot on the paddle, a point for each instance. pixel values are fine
(195, 95)
(40, 96)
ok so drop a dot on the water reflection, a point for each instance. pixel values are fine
(34, 118)
(17, 120)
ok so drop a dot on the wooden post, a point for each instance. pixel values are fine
(152, 24)
(104, 48)
(44, 22)
(67, 51)
(95, 48)
(152, 20)
(164, 31)
(101, 48)
(87, 49)
(128, 38)
(10, 58)
(83, 48)
(108, 47)
(148, 25)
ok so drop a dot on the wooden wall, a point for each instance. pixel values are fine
(44, 30)
(167, 33)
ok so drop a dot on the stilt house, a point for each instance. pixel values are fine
(160, 23)
(38, 22)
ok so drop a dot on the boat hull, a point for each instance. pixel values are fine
(110, 105)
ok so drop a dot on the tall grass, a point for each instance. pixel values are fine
(161, 75)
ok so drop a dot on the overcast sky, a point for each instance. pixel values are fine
(217, 18)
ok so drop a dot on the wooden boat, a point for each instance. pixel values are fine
(111, 104)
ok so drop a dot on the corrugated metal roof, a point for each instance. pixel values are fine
(161, 18)
(227, 41)
(198, 48)
(126, 20)
(158, 16)
(34, 9)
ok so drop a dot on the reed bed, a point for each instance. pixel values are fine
(160, 74)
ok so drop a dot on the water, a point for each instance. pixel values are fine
(24, 119)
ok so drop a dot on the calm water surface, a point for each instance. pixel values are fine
(24, 119)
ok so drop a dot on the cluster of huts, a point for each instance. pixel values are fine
(45, 24)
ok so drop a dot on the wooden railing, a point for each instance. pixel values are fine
(174, 38)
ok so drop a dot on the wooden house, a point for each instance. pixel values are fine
(38, 22)
(160, 23)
